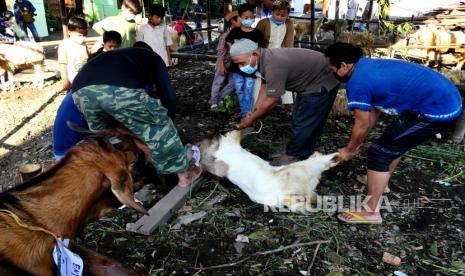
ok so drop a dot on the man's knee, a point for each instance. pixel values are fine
(379, 158)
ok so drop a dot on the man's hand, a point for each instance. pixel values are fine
(222, 70)
(66, 85)
(345, 154)
(246, 122)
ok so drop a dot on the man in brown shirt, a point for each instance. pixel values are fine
(301, 70)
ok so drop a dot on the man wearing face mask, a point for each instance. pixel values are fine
(124, 23)
(301, 70)
(425, 101)
(244, 78)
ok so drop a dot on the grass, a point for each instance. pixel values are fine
(449, 157)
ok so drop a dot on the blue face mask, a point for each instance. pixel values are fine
(247, 22)
(249, 69)
(277, 22)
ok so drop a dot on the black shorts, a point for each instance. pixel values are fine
(408, 132)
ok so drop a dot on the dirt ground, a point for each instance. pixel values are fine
(425, 228)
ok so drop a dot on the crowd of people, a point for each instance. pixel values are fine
(256, 59)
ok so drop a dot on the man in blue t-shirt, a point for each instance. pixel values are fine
(425, 101)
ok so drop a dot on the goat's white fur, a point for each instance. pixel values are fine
(263, 183)
(18, 56)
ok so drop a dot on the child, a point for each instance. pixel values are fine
(156, 34)
(185, 33)
(124, 23)
(198, 14)
(219, 90)
(278, 32)
(6, 30)
(111, 41)
(73, 52)
(243, 82)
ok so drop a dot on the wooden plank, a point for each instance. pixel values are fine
(88, 40)
(164, 209)
(193, 56)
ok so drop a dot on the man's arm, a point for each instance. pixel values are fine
(364, 122)
(63, 63)
(99, 27)
(165, 91)
(262, 106)
(32, 9)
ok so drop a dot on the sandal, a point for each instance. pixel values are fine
(353, 218)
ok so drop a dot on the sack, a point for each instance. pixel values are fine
(27, 17)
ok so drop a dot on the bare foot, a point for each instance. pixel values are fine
(188, 177)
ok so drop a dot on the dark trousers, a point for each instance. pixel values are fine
(309, 117)
(406, 133)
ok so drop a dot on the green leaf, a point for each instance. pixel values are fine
(260, 235)
(335, 258)
(458, 264)
(434, 248)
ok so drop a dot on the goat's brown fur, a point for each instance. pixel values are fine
(208, 147)
(64, 197)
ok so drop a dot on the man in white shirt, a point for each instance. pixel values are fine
(156, 34)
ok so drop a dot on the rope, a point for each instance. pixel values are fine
(255, 132)
(9, 213)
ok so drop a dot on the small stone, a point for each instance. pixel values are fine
(391, 259)
(242, 238)
(239, 230)
(239, 246)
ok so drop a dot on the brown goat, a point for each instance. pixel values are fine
(65, 196)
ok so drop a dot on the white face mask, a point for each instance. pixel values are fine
(129, 16)
(79, 39)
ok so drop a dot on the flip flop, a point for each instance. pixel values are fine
(356, 219)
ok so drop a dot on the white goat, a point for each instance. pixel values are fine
(276, 187)
(19, 56)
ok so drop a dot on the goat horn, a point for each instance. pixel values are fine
(72, 125)
(129, 201)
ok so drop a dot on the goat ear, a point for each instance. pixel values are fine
(145, 149)
(335, 160)
(235, 135)
(122, 188)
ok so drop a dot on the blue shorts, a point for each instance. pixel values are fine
(406, 133)
(198, 23)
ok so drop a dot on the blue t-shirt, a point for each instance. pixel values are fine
(65, 138)
(395, 87)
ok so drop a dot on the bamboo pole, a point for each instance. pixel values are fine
(452, 46)
(209, 32)
(64, 19)
(193, 56)
(312, 23)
